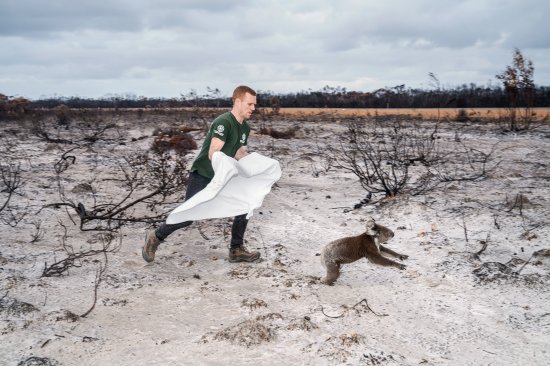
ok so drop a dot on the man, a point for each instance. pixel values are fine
(228, 134)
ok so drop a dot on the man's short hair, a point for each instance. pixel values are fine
(240, 91)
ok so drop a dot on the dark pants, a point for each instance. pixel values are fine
(195, 184)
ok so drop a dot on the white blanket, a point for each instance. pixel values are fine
(238, 188)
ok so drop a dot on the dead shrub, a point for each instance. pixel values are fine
(62, 114)
(149, 181)
(407, 158)
(519, 202)
(382, 156)
(304, 323)
(340, 349)
(289, 133)
(172, 131)
(462, 116)
(178, 140)
(253, 304)
(10, 185)
(250, 332)
(15, 108)
(39, 361)
(353, 338)
(14, 307)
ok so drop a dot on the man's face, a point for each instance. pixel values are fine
(246, 106)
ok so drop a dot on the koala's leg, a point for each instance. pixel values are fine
(391, 252)
(333, 272)
(383, 261)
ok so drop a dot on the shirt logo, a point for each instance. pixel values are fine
(243, 138)
(219, 130)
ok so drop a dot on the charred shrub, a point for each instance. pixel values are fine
(178, 140)
(276, 134)
(462, 116)
(62, 114)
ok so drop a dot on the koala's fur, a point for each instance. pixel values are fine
(350, 249)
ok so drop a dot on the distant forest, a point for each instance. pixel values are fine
(465, 96)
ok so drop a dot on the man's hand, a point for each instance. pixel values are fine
(241, 153)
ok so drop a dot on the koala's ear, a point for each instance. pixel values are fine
(371, 224)
(371, 228)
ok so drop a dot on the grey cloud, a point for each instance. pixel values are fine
(41, 19)
(167, 47)
(36, 18)
(455, 24)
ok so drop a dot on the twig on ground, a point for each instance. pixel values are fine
(72, 260)
(496, 222)
(45, 343)
(98, 278)
(225, 230)
(465, 228)
(470, 255)
(65, 161)
(38, 233)
(524, 264)
(263, 245)
(353, 307)
(202, 233)
(101, 270)
(484, 243)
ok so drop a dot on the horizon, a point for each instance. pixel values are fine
(133, 96)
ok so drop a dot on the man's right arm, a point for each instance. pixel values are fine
(216, 144)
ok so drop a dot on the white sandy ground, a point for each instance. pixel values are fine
(192, 307)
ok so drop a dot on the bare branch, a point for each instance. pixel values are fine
(60, 267)
(148, 180)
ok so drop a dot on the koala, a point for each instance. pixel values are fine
(350, 249)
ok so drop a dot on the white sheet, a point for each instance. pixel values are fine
(238, 188)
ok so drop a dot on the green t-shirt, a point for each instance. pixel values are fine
(226, 128)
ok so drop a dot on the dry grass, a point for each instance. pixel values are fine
(416, 113)
(251, 332)
(421, 113)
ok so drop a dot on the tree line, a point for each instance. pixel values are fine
(464, 96)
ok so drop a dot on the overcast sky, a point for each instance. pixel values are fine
(166, 48)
